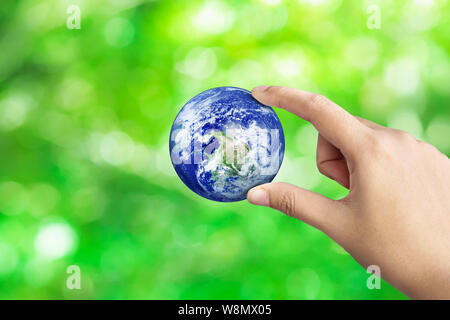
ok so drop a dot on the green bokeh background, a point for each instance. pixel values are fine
(85, 172)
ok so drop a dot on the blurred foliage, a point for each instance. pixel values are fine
(85, 174)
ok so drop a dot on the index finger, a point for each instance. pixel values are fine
(334, 123)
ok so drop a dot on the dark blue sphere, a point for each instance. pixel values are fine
(223, 142)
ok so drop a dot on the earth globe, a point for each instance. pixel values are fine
(223, 142)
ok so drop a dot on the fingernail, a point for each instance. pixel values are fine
(258, 196)
(260, 88)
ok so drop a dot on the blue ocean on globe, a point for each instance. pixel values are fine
(223, 142)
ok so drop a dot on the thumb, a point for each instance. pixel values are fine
(310, 207)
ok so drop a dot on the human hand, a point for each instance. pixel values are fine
(397, 212)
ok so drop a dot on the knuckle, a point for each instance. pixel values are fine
(427, 146)
(317, 100)
(377, 146)
(275, 90)
(278, 95)
(374, 142)
(404, 136)
(286, 203)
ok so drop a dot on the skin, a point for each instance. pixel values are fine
(397, 212)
